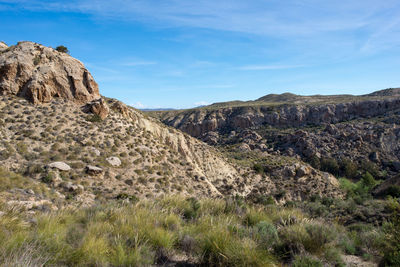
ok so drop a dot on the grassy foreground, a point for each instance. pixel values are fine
(175, 229)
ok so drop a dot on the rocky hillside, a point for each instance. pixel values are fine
(321, 130)
(69, 145)
(285, 110)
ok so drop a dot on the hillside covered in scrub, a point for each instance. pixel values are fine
(89, 147)
(344, 135)
(86, 180)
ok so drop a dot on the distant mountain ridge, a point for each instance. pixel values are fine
(290, 98)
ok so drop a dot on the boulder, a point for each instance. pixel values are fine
(98, 107)
(114, 161)
(93, 170)
(303, 171)
(211, 138)
(62, 166)
(40, 74)
(244, 147)
(374, 156)
(121, 108)
(331, 129)
(95, 151)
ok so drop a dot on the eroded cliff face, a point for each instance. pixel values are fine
(40, 74)
(364, 130)
(201, 121)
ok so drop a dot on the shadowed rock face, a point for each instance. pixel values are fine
(40, 73)
(199, 122)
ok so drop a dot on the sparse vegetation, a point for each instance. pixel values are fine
(209, 232)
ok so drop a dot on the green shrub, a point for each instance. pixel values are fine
(94, 118)
(333, 256)
(306, 261)
(220, 248)
(392, 237)
(315, 162)
(330, 165)
(62, 49)
(266, 234)
(368, 180)
(372, 168)
(49, 177)
(258, 168)
(191, 211)
(393, 190)
(348, 168)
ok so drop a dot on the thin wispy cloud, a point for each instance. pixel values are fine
(180, 50)
(269, 67)
(137, 63)
(279, 19)
(273, 18)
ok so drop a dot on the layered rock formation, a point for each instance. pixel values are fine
(198, 122)
(362, 129)
(40, 74)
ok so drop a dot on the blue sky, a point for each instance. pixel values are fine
(179, 54)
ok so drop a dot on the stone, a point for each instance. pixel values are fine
(95, 151)
(244, 147)
(30, 191)
(211, 138)
(262, 147)
(69, 186)
(93, 170)
(72, 187)
(289, 171)
(121, 108)
(303, 171)
(114, 161)
(374, 156)
(98, 107)
(62, 166)
(40, 74)
(331, 129)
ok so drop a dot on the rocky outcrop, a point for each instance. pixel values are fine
(93, 170)
(3, 46)
(98, 107)
(40, 74)
(198, 122)
(59, 165)
(114, 161)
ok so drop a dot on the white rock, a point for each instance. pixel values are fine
(95, 151)
(114, 161)
(93, 170)
(62, 166)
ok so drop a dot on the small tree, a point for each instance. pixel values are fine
(368, 180)
(62, 49)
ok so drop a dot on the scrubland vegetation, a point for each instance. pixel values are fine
(201, 232)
